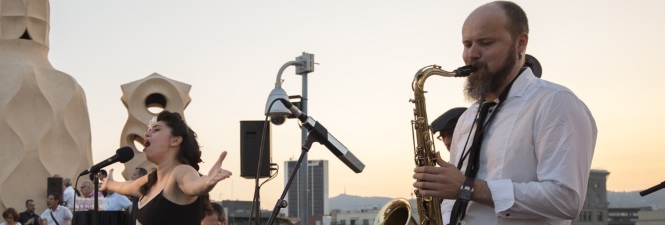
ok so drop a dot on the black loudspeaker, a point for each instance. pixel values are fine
(54, 185)
(250, 147)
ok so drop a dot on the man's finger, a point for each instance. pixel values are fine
(442, 162)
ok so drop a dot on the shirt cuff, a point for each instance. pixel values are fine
(502, 194)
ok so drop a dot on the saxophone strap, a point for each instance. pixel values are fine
(473, 153)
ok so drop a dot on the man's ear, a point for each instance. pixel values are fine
(522, 42)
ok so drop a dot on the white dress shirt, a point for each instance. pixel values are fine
(536, 155)
(68, 197)
(62, 214)
(116, 202)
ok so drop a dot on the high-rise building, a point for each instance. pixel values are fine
(317, 186)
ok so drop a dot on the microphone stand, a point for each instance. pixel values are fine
(95, 212)
(281, 203)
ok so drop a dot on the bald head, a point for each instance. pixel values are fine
(510, 14)
(485, 19)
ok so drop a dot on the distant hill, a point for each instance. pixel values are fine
(633, 199)
(616, 199)
(351, 202)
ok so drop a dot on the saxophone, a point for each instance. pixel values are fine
(398, 211)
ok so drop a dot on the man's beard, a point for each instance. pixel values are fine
(483, 81)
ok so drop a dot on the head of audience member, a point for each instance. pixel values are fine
(445, 125)
(10, 215)
(87, 188)
(139, 172)
(30, 206)
(67, 182)
(101, 175)
(53, 201)
(215, 216)
(495, 37)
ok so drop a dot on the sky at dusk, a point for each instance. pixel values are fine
(608, 52)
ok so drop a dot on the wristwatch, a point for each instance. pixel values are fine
(466, 191)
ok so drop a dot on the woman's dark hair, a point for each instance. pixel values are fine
(189, 152)
(10, 212)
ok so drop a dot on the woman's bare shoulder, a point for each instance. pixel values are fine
(184, 169)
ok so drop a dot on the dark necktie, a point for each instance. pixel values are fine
(474, 150)
(459, 208)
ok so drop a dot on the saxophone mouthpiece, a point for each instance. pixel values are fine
(465, 71)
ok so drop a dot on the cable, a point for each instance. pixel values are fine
(257, 194)
(76, 184)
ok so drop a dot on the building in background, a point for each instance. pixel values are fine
(624, 216)
(317, 186)
(594, 211)
(237, 213)
(651, 217)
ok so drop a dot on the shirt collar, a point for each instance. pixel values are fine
(519, 87)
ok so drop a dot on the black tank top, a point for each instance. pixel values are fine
(160, 210)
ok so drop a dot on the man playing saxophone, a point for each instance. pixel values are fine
(522, 153)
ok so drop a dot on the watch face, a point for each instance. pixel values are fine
(465, 194)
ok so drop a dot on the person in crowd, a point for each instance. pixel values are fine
(56, 214)
(522, 153)
(29, 216)
(216, 216)
(445, 125)
(175, 188)
(10, 215)
(102, 174)
(68, 193)
(87, 189)
(138, 173)
(116, 202)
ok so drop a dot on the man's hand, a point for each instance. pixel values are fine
(444, 181)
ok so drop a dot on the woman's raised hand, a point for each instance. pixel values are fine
(103, 182)
(216, 173)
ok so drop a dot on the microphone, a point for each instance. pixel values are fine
(122, 155)
(322, 136)
(653, 189)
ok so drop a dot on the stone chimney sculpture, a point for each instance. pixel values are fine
(44, 123)
(154, 91)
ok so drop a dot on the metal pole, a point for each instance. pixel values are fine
(304, 200)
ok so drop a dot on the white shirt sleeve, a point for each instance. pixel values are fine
(45, 215)
(565, 136)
